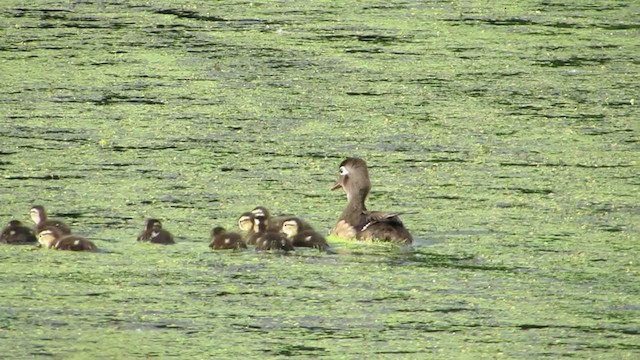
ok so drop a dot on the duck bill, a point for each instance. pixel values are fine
(336, 186)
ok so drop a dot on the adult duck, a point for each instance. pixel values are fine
(356, 221)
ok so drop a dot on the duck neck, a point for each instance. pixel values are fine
(354, 212)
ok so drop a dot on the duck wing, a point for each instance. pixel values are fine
(384, 226)
(373, 217)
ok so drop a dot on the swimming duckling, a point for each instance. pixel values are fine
(291, 227)
(268, 240)
(258, 229)
(245, 223)
(39, 217)
(355, 219)
(17, 234)
(221, 239)
(52, 238)
(154, 233)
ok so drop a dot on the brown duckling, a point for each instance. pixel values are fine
(268, 240)
(52, 238)
(221, 239)
(355, 219)
(245, 223)
(39, 217)
(292, 226)
(154, 233)
(17, 234)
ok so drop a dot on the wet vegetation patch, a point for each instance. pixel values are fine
(505, 134)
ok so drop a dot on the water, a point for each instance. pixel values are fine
(508, 132)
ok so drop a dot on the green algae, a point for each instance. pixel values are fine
(507, 132)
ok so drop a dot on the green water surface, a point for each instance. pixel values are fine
(508, 132)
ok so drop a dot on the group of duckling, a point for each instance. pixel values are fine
(257, 227)
(51, 233)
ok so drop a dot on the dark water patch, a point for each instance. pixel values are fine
(112, 98)
(609, 208)
(122, 148)
(502, 22)
(365, 93)
(504, 163)
(564, 25)
(446, 160)
(599, 131)
(369, 38)
(512, 205)
(524, 190)
(444, 197)
(365, 50)
(432, 80)
(612, 228)
(45, 177)
(600, 166)
(619, 26)
(22, 11)
(189, 14)
(432, 260)
(574, 61)
(296, 350)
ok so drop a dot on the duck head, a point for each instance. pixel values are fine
(152, 224)
(291, 227)
(47, 236)
(245, 221)
(261, 211)
(217, 231)
(353, 178)
(38, 214)
(15, 223)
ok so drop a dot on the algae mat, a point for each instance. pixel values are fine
(509, 133)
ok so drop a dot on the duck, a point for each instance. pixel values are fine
(52, 238)
(245, 223)
(39, 216)
(265, 239)
(221, 239)
(292, 228)
(154, 233)
(16, 233)
(356, 222)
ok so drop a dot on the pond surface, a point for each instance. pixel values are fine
(508, 133)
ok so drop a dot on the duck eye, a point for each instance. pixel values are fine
(343, 171)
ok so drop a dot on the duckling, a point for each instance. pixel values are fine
(269, 240)
(39, 217)
(154, 233)
(17, 234)
(258, 229)
(245, 223)
(52, 238)
(221, 239)
(355, 219)
(291, 227)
